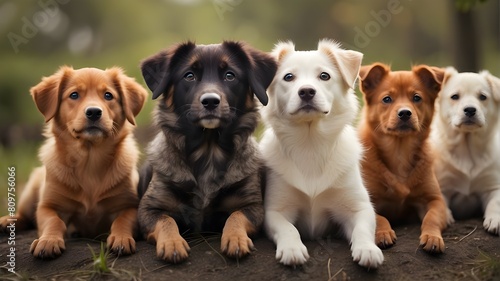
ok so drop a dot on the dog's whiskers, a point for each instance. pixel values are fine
(114, 129)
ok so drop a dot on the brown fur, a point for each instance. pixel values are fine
(89, 175)
(397, 167)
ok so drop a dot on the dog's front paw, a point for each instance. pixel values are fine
(432, 244)
(17, 222)
(386, 238)
(236, 245)
(492, 224)
(47, 247)
(369, 256)
(292, 253)
(121, 244)
(172, 249)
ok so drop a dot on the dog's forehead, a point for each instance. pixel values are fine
(400, 81)
(307, 60)
(210, 56)
(90, 78)
(467, 82)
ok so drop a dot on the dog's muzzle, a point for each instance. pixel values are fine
(470, 111)
(211, 118)
(210, 101)
(93, 113)
(404, 114)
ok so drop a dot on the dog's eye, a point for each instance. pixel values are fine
(324, 76)
(482, 97)
(455, 97)
(189, 76)
(387, 99)
(108, 96)
(288, 77)
(417, 98)
(73, 96)
(229, 76)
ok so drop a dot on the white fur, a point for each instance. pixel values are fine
(467, 161)
(313, 156)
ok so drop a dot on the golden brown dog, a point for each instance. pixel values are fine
(88, 179)
(397, 167)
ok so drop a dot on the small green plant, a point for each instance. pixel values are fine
(100, 259)
(486, 267)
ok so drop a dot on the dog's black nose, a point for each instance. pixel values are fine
(404, 114)
(470, 111)
(210, 100)
(306, 94)
(93, 113)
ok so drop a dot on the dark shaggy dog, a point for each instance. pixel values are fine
(204, 172)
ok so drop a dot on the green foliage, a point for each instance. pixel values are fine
(486, 267)
(100, 259)
(467, 5)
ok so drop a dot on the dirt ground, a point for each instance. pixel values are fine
(471, 254)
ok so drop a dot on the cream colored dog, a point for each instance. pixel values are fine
(313, 154)
(466, 140)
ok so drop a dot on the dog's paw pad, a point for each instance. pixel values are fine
(173, 250)
(369, 256)
(47, 247)
(121, 245)
(432, 244)
(292, 253)
(492, 224)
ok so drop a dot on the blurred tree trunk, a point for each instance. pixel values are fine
(465, 43)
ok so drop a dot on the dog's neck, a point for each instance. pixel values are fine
(467, 151)
(401, 154)
(309, 144)
(80, 163)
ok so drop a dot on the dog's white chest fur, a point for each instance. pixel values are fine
(310, 162)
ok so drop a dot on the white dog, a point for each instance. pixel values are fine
(313, 154)
(466, 139)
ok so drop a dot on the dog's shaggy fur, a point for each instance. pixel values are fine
(89, 175)
(204, 171)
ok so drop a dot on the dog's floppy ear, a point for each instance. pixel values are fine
(262, 74)
(47, 94)
(448, 72)
(157, 69)
(133, 95)
(282, 49)
(371, 75)
(494, 83)
(262, 68)
(432, 77)
(347, 61)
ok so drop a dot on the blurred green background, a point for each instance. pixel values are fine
(39, 36)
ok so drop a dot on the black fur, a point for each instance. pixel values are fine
(199, 175)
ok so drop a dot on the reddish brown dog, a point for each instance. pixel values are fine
(397, 166)
(89, 176)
